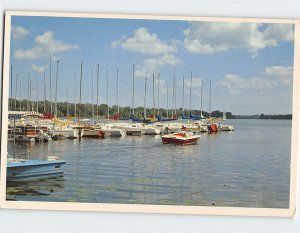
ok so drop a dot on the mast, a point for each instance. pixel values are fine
(167, 101)
(191, 92)
(145, 97)
(75, 96)
(153, 96)
(118, 93)
(67, 102)
(56, 88)
(11, 84)
(158, 93)
(16, 91)
(80, 90)
(107, 96)
(28, 92)
(175, 110)
(209, 98)
(30, 95)
(97, 90)
(92, 92)
(51, 109)
(36, 92)
(182, 96)
(44, 91)
(201, 98)
(133, 89)
(173, 100)
(20, 101)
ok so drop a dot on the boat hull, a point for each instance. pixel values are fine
(180, 139)
(34, 169)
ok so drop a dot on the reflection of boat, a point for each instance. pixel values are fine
(180, 138)
(20, 169)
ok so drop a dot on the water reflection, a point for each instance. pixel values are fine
(248, 167)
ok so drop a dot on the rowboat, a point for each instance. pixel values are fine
(180, 138)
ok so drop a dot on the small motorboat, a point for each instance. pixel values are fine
(23, 169)
(226, 127)
(180, 138)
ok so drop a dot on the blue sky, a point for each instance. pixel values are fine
(250, 65)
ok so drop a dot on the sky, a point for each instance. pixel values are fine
(250, 65)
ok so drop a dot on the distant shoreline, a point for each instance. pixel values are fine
(264, 117)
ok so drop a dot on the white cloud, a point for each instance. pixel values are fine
(151, 64)
(271, 77)
(157, 52)
(281, 73)
(210, 38)
(145, 42)
(44, 44)
(39, 69)
(196, 82)
(19, 32)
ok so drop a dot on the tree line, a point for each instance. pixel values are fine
(65, 109)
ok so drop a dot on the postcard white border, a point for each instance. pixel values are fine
(137, 208)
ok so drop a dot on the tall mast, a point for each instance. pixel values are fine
(67, 102)
(30, 89)
(158, 93)
(20, 101)
(75, 115)
(36, 92)
(173, 100)
(16, 91)
(11, 84)
(80, 92)
(97, 90)
(51, 109)
(118, 93)
(175, 110)
(182, 108)
(28, 92)
(92, 92)
(167, 101)
(44, 91)
(191, 91)
(201, 98)
(145, 97)
(133, 89)
(153, 95)
(56, 87)
(107, 96)
(209, 97)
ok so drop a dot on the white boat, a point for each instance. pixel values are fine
(23, 169)
(148, 130)
(110, 131)
(226, 127)
(66, 132)
(132, 129)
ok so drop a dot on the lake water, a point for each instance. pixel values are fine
(249, 167)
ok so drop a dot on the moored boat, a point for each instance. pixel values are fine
(23, 169)
(180, 138)
(226, 127)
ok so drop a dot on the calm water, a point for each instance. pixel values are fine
(248, 168)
